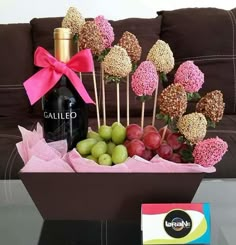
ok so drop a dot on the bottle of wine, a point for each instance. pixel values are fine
(65, 113)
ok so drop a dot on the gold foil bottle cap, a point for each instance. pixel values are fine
(62, 34)
(63, 44)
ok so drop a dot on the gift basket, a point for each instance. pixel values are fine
(106, 174)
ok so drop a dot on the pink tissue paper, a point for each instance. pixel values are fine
(40, 156)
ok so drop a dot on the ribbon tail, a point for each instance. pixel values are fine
(78, 85)
(40, 83)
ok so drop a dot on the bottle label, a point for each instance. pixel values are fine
(60, 115)
(67, 124)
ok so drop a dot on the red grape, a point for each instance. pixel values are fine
(165, 151)
(173, 141)
(152, 140)
(149, 128)
(168, 132)
(136, 147)
(126, 143)
(176, 158)
(134, 131)
(147, 154)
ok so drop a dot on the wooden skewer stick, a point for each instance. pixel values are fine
(154, 107)
(164, 133)
(142, 114)
(118, 101)
(77, 50)
(96, 98)
(103, 96)
(127, 99)
(95, 91)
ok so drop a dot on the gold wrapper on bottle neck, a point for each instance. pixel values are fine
(63, 44)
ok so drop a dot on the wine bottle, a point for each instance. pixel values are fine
(64, 111)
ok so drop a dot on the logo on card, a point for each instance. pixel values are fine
(177, 223)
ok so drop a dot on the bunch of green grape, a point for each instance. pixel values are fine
(105, 146)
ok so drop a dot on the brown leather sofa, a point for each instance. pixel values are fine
(205, 35)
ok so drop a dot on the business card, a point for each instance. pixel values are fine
(176, 223)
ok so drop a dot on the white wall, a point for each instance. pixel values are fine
(20, 11)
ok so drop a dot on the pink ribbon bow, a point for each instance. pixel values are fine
(41, 82)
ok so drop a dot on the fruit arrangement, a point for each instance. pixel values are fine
(181, 140)
(114, 144)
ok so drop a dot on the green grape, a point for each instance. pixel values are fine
(93, 135)
(105, 159)
(114, 124)
(110, 147)
(105, 132)
(90, 157)
(84, 147)
(98, 149)
(119, 154)
(118, 134)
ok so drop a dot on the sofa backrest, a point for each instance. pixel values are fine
(16, 65)
(206, 36)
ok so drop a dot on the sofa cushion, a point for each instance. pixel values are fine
(10, 161)
(16, 66)
(42, 31)
(206, 36)
(147, 32)
(226, 130)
